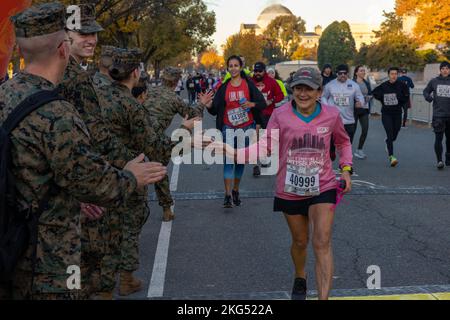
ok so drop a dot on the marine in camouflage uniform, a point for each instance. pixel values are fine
(113, 221)
(131, 124)
(52, 146)
(102, 77)
(162, 105)
(78, 88)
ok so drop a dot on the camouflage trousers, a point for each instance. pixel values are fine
(94, 246)
(111, 260)
(20, 289)
(124, 225)
(133, 219)
(162, 188)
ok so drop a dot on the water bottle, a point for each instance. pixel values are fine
(242, 101)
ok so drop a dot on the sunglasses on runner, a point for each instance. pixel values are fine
(340, 73)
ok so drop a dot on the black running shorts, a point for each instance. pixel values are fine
(301, 207)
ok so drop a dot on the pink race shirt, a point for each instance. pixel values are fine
(305, 168)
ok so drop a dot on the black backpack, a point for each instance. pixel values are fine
(18, 229)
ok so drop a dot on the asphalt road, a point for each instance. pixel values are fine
(395, 218)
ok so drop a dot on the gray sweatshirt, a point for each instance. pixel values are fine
(343, 96)
(440, 87)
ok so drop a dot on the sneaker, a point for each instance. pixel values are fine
(394, 161)
(440, 165)
(256, 171)
(360, 154)
(299, 289)
(227, 202)
(236, 199)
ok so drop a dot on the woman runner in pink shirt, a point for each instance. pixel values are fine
(306, 186)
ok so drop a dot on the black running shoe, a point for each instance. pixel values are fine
(227, 202)
(299, 289)
(256, 171)
(440, 165)
(236, 198)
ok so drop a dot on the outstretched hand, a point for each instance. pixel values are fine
(206, 98)
(190, 123)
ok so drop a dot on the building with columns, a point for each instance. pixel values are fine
(362, 33)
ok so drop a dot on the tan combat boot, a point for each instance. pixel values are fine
(168, 215)
(129, 284)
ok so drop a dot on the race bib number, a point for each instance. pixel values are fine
(302, 181)
(238, 116)
(342, 100)
(191, 85)
(390, 99)
(443, 91)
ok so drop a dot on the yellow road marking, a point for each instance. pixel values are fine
(442, 296)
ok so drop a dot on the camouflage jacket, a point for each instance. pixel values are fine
(130, 122)
(101, 80)
(78, 88)
(52, 146)
(163, 104)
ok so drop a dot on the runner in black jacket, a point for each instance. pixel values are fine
(393, 95)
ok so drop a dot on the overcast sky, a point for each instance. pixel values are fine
(231, 13)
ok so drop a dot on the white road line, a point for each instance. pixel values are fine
(156, 287)
(174, 177)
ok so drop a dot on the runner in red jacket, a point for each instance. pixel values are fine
(271, 92)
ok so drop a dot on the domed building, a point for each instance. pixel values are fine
(309, 39)
(270, 13)
(362, 33)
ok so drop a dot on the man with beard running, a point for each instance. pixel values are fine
(272, 94)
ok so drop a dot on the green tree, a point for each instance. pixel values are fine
(361, 56)
(178, 26)
(431, 56)
(392, 25)
(285, 32)
(393, 48)
(248, 45)
(336, 45)
(163, 29)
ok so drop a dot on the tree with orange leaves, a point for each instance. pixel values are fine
(212, 60)
(433, 19)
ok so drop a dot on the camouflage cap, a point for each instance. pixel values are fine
(171, 74)
(87, 17)
(125, 61)
(107, 51)
(39, 20)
